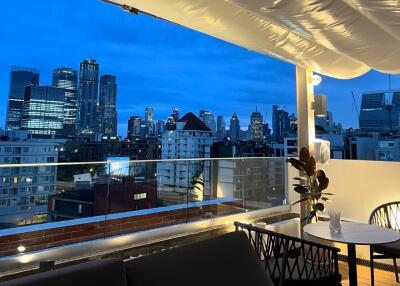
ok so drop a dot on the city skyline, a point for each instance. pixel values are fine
(178, 67)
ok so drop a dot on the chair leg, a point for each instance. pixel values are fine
(371, 259)
(396, 270)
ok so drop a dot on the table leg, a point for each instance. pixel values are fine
(352, 263)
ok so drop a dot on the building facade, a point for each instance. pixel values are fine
(280, 124)
(20, 77)
(378, 113)
(208, 118)
(107, 108)
(24, 190)
(256, 126)
(234, 128)
(191, 138)
(43, 111)
(67, 79)
(221, 128)
(134, 125)
(87, 98)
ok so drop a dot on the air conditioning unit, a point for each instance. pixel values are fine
(322, 151)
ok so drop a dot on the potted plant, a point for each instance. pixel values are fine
(312, 184)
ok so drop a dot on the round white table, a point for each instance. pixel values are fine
(353, 233)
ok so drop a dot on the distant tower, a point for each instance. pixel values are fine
(67, 79)
(149, 121)
(280, 124)
(256, 126)
(134, 125)
(107, 121)
(20, 77)
(43, 111)
(175, 114)
(208, 118)
(221, 128)
(87, 97)
(234, 128)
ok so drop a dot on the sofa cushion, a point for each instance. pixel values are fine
(104, 272)
(228, 259)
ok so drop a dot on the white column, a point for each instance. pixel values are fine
(305, 116)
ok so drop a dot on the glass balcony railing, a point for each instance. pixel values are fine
(53, 204)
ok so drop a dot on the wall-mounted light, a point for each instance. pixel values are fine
(21, 248)
(316, 80)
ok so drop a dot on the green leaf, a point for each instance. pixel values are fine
(299, 201)
(325, 199)
(319, 207)
(297, 164)
(304, 155)
(323, 183)
(300, 189)
(310, 167)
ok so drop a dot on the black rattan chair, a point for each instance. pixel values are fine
(293, 261)
(386, 215)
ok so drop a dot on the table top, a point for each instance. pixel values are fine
(353, 233)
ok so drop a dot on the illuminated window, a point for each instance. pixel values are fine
(140, 196)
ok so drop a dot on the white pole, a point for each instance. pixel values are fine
(305, 116)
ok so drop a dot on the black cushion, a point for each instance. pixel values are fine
(228, 259)
(388, 248)
(103, 272)
(296, 270)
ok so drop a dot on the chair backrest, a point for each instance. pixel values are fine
(387, 215)
(292, 258)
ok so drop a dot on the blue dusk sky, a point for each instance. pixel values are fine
(159, 64)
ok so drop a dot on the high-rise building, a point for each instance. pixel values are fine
(221, 128)
(24, 194)
(256, 126)
(280, 124)
(234, 128)
(160, 127)
(43, 111)
(87, 97)
(134, 125)
(191, 138)
(149, 113)
(208, 118)
(326, 122)
(175, 114)
(20, 77)
(107, 108)
(67, 79)
(377, 114)
(170, 125)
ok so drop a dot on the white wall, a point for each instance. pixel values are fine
(359, 187)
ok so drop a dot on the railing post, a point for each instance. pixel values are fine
(305, 117)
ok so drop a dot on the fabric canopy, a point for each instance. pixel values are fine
(338, 38)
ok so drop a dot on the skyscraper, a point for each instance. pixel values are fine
(107, 110)
(221, 129)
(148, 121)
(170, 125)
(175, 114)
(134, 125)
(149, 113)
(256, 126)
(87, 97)
(377, 114)
(43, 111)
(280, 123)
(160, 127)
(67, 79)
(208, 118)
(234, 128)
(20, 77)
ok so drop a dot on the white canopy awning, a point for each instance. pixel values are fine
(339, 38)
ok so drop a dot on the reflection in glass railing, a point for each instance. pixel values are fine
(118, 196)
